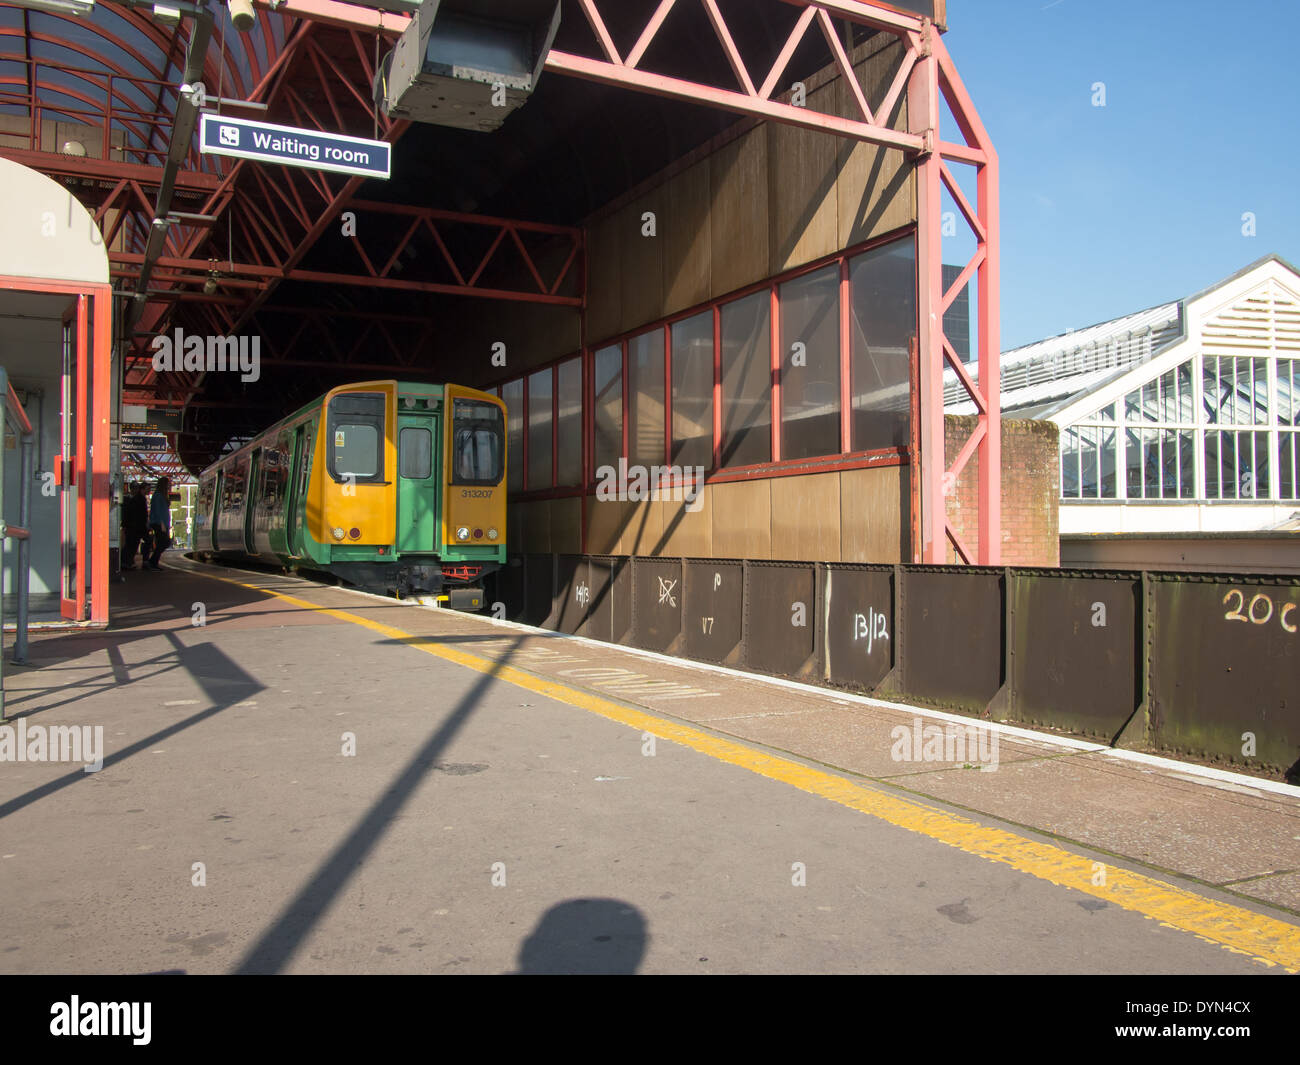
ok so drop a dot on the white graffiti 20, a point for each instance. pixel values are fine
(871, 627)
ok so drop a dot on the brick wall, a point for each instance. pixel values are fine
(1030, 491)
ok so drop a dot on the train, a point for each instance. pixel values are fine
(393, 487)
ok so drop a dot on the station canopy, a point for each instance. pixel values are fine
(468, 226)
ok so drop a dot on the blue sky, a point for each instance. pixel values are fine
(1107, 210)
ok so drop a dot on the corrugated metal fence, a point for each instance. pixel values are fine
(1199, 664)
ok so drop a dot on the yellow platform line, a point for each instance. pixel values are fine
(1258, 936)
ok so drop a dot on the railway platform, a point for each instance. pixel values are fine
(302, 778)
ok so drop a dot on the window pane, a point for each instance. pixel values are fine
(1168, 398)
(476, 455)
(608, 405)
(1288, 464)
(1213, 468)
(1168, 464)
(1150, 401)
(1261, 414)
(1151, 463)
(882, 326)
(568, 469)
(1185, 393)
(1133, 461)
(746, 381)
(1210, 389)
(692, 341)
(1070, 464)
(1228, 464)
(416, 453)
(1088, 462)
(1288, 392)
(356, 450)
(1260, 482)
(513, 394)
(1187, 467)
(539, 430)
(810, 365)
(477, 441)
(645, 399)
(1109, 489)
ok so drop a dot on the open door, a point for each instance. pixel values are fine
(73, 475)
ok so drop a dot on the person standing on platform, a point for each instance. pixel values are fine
(160, 521)
(135, 526)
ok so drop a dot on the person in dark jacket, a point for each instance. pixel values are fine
(160, 521)
(135, 526)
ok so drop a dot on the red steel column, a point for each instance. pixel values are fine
(990, 449)
(846, 359)
(923, 118)
(101, 358)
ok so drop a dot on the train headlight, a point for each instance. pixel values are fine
(492, 534)
(462, 533)
(354, 534)
(337, 533)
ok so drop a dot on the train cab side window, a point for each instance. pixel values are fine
(356, 437)
(477, 443)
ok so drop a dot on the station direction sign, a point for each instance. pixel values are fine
(310, 148)
(144, 442)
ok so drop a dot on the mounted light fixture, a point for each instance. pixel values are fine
(241, 14)
(77, 8)
(466, 65)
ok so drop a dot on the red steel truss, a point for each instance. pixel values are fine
(255, 224)
(926, 77)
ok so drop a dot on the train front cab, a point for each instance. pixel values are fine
(412, 493)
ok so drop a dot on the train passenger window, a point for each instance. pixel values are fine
(478, 443)
(356, 434)
(415, 453)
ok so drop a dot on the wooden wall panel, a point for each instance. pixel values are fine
(535, 521)
(687, 533)
(742, 519)
(641, 260)
(874, 515)
(643, 530)
(604, 279)
(877, 190)
(687, 241)
(802, 168)
(566, 526)
(605, 522)
(738, 222)
(806, 517)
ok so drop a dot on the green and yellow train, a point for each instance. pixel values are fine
(392, 486)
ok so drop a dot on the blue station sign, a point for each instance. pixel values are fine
(246, 139)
